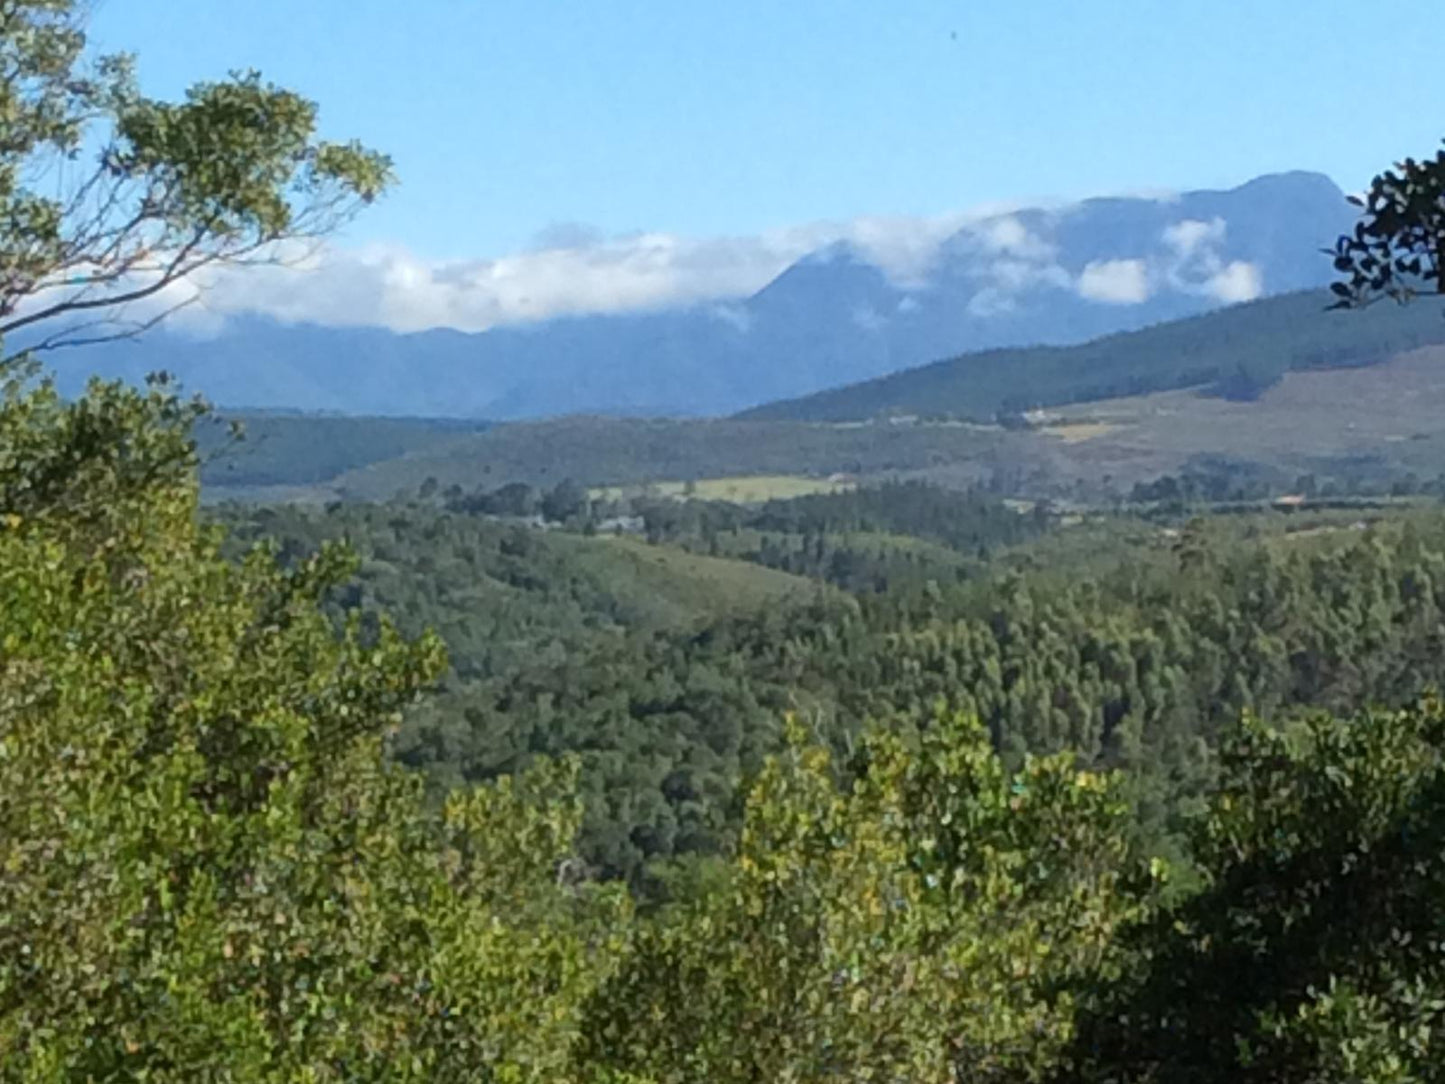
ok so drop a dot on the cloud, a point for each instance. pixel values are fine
(570, 269)
(735, 316)
(1189, 260)
(1239, 281)
(1116, 282)
(1186, 237)
(1007, 235)
(1199, 267)
(1007, 259)
(990, 301)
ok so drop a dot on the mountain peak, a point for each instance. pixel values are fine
(1052, 276)
(1295, 180)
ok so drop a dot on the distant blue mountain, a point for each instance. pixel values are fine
(1054, 276)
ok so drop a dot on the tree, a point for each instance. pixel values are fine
(563, 501)
(1397, 249)
(1313, 951)
(111, 199)
(937, 920)
(512, 499)
(211, 868)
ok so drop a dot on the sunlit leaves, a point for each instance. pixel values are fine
(935, 921)
(139, 193)
(209, 866)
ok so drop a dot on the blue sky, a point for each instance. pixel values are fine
(507, 116)
(589, 156)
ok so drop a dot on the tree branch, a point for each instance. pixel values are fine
(61, 339)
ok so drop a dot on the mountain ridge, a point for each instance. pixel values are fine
(1046, 276)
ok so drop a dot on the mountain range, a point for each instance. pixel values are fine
(1040, 276)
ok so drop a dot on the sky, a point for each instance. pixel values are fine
(731, 137)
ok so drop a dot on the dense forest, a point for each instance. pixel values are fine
(1129, 642)
(523, 782)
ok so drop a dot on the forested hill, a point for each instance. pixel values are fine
(1237, 351)
(668, 667)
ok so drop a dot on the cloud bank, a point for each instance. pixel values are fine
(572, 269)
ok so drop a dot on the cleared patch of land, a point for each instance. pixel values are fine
(746, 489)
(1078, 432)
(679, 585)
(1386, 418)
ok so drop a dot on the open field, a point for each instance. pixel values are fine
(1388, 417)
(1077, 432)
(743, 489)
(681, 585)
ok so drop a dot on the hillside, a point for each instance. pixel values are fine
(295, 449)
(1373, 424)
(1236, 351)
(507, 595)
(621, 451)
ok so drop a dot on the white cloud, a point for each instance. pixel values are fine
(570, 270)
(1116, 282)
(1199, 267)
(990, 301)
(1008, 258)
(573, 269)
(1187, 236)
(1239, 281)
(1011, 237)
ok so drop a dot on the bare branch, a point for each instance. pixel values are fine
(72, 335)
(182, 265)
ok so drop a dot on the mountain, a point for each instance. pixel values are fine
(1038, 277)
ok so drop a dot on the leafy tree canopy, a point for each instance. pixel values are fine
(1397, 249)
(109, 197)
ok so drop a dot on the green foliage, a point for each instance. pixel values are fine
(223, 176)
(667, 672)
(214, 871)
(1397, 249)
(1313, 951)
(209, 867)
(214, 864)
(935, 921)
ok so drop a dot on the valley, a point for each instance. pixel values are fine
(641, 617)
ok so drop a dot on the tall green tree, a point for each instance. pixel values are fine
(1313, 951)
(209, 868)
(110, 198)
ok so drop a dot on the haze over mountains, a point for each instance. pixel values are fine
(1043, 276)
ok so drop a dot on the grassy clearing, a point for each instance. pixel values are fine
(1078, 432)
(741, 489)
(679, 585)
